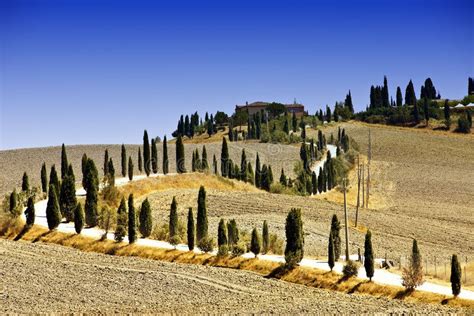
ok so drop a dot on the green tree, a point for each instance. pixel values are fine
(294, 122)
(413, 274)
(165, 156)
(283, 180)
(130, 168)
(399, 101)
(54, 180)
(30, 212)
(173, 224)
(410, 97)
(44, 179)
(416, 114)
(232, 232)
(204, 162)
(225, 172)
(123, 156)
(111, 174)
(243, 166)
(78, 218)
(201, 215)
(426, 111)
(214, 164)
(191, 229)
(154, 156)
(455, 276)
(146, 224)
(64, 163)
(331, 254)
(106, 163)
(91, 207)
(314, 182)
(140, 162)
(13, 201)
(255, 243)
(265, 238)
(146, 153)
(258, 173)
(132, 226)
(53, 215)
(83, 163)
(368, 256)
(294, 238)
(25, 184)
(120, 228)
(447, 115)
(221, 234)
(67, 197)
(335, 231)
(180, 160)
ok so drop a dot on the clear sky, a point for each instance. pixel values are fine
(101, 71)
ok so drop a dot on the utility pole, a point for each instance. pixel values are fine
(345, 220)
(363, 186)
(369, 156)
(358, 191)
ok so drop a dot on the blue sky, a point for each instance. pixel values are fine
(101, 71)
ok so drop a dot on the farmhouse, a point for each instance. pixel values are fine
(258, 106)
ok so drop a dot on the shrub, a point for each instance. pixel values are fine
(223, 250)
(239, 249)
(463, 125)
(206, 244)
(275, 245)
(350, 269)
(174, 240)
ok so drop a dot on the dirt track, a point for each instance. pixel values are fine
(53, 279)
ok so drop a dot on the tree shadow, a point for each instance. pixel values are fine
(356, 287)
(25, 229)
(38, 238)
(279, 271)
(402, 294)
(113, 251)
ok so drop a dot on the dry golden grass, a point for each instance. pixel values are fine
(305, 276)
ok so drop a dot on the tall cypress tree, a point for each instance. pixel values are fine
(154, 156)
(201, 215)
(54, 180)
(265, 238)
(455, 276)
(53, 215)
(30, 212)
(146, 224)
(294, 122)
(410, 97)
(243, 166)
(106, 162)
(258, 173)
(25, 183)
(294, 238)
(224, 159)
(111, 175)
(255, 244)
(413, 274)
(221, 234)
(173, 223)
(368, 256)
(124, 161)
(335, 231)
(44, 178)
(132, 230)
(165, 156)
(385, 99)
(91, 185)
(64, 163)
(78, 218)
(180, 160)
(191, 229)
(331, 253)
(283, 180)
(120, 228)
(146, 153)
(13, 201)
(204, 163)
(447, 115)
(214, 164)
(140, 162)
(67, 197)
(314, 182)
(399, 97)
(426, 111)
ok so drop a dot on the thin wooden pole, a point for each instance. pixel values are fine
(345, 220)
(363, 186)
(368, 186)
(358, 191)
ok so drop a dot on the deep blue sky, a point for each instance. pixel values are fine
(101, 71)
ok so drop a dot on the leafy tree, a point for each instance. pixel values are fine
(67, 197)
(78, 218)
(53, 215)
(191, 229)
(30, 212)
(154, 156)
(106, 162)
(255, 243)
(399, 101)
(331, 254)
(130, 168)
(140, 162)
(225, 172)
(146, 224)
(132, 227)
(410, 97)
(173, 224)
(265, 238)
(146, 153)
(413, 274)
(120, 228)
(44, 179)
(13, 201)
(201, 215)
(335, 231)
(165, 156)
(455, 276)
(54, 180)
(64, 163)
(25, 184)
(180, 160)
(428, 90)
(368, 256)
(294, 238)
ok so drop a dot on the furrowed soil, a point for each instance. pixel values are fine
(41, 278)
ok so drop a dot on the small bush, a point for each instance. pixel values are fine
(175, 240)
(223, 251)
(276, 245)
(350, 269)
(206, 244)
(111, 195)
(239, 249)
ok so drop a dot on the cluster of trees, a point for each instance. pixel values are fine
(188, 126)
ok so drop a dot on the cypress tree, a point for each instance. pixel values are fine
(146, 153)
(294, 122)
(30, 212)
(54, 180)
(201, 215)
(64, 163)
(385, 101)
(78, 218)
(426, 110)
(83, 163)
(225, 172)
(154, 156)
(294, 238)
(286, 127)
(265, 238)
(13, 201)
(255, 243)
(399, 97)
(214, 164)
(232, 233)
(106, 163)
(413, 274)
(146, 224)
(120, 228)
(314, 183)
(173, 224)
(221, 234)
(132, 232)
(264, 183)
(165, 156)
(258, 173)
(130, 168)
(111, 175)
(321, 180)
(447, 115)
(368, 256)
(283, 180)
(270, 177)
(204, 162)
(25, 183)
(67, 197)
(44, 179)
(180, 161)
(335, 232)
(410, 97)
(91, 207)
(243, 166)
(191, 229)
(455, 276)
(140, 162)
(124, 161)
(331, 254)
(53, 214)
